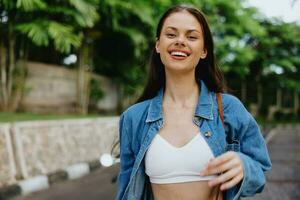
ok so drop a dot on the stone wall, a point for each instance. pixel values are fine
(51, 88)
(42, 147)
(7, 164)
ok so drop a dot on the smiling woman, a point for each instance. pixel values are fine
(181, 39)
(177, 141)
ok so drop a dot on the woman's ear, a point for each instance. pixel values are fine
(204, 54)
(157, 46)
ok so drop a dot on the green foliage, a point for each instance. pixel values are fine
(280, 48)
(44, 21)
(37, 31)
(14, 117)
(127, 31)
(86, 12)
(30, 5)
(290, 84)
(96, 92)
(63, 36)
(249, 47)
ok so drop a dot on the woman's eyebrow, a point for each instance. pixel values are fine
(190, 30)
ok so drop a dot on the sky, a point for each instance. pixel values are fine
(279, 8)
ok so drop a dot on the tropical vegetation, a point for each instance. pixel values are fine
(260, 56)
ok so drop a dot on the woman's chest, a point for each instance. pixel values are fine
(213, 135)
(178, 127)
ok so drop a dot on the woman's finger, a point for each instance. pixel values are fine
(211, 170)
(221, 164)
(221, 159)
(232, 182)
(226, 176)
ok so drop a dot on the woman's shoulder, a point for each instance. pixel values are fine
(137, 110)
(233, 106)
(229, 100)
(235, 113)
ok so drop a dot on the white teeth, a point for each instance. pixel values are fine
(178, 53)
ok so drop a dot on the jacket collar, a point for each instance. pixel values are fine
(203, 109)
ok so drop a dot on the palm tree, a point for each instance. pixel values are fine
(41, 22)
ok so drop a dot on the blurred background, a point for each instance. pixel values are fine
(69, 68)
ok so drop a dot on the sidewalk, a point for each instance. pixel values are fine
(283, 182)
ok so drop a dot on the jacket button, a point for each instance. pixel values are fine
(208, 134)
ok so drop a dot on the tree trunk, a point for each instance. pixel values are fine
(83, 81)
(244, 91)
(11, 64)
(296, 103)
(279, 98)
(120, 98)
(19, 82)
(3, 92)
(14, 72)
(259, 96)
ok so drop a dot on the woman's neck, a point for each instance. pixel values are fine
(181, 92)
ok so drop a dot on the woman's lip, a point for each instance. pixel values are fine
(178, 57)
(183, 51)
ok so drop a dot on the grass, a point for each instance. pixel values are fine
(13, 117)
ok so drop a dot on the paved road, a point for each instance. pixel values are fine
(283, 181)
(95, 186)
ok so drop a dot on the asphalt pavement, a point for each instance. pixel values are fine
(283, 181)
(95, 186)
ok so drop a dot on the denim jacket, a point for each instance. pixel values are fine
(142, 121)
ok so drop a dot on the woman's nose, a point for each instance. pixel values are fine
(180, 40)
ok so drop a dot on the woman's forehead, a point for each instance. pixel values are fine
(182, 20)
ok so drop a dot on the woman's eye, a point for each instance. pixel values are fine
(192, 37)
(170, 35)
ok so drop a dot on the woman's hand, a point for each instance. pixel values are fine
(229, 166)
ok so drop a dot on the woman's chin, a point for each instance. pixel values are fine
(180, 69)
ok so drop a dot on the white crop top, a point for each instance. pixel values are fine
(165, 163)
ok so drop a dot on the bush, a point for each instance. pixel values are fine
(96, 91)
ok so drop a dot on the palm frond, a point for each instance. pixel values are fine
(88, 12)
(144, 13)
(36, 31)
(70, 12)
(63, 36)
(29, 5)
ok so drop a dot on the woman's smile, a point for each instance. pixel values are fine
(179, 54)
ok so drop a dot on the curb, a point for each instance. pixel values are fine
(45, 181)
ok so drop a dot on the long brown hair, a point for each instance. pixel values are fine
(206, 70)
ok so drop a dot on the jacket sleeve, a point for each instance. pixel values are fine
(255, 158)
(252, 149)
(126, 158)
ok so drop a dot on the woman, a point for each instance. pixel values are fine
(173, 143)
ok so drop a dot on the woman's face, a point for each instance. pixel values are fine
(181, 42)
